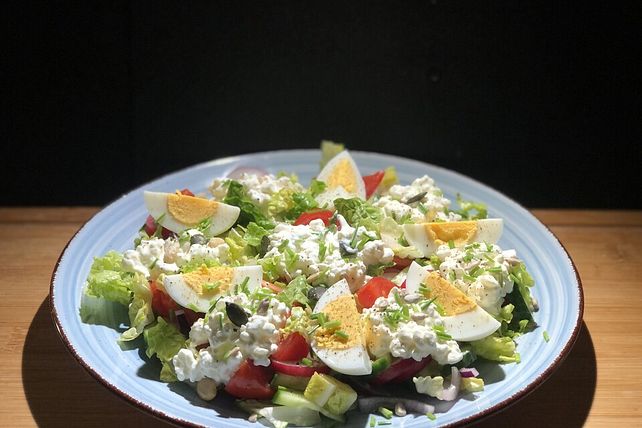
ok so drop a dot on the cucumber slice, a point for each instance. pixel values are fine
(281, 416)
(298, 383)
(297, 400)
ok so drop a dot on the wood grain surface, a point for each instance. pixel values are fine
(597, 385)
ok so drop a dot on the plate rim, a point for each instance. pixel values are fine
(476, 417)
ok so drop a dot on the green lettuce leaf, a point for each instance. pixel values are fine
(237, 196)
(358, 212)
(470, 210)
(295, 291)
(140, 310)
(163, 340)
(496, 348)
(108, 280)
(329, 149)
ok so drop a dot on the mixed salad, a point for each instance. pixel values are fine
(305, 303)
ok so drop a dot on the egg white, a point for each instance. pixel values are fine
(488, 230)
(466, 326)
(185, 296)
(156, 203)
(351, 361)
(340, 191)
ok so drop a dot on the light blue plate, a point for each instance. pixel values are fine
(132, 376)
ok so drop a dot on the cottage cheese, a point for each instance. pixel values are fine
(260, 188)
(393, 202)
(487, 289)
(148, 259)
(325, 266)
(408, 339)
(259, 337)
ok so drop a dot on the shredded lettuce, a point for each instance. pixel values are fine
(295, 291)
(288, 205)
(391, 232)
(164, 340)
(270, 267)
(496, 348)
(358, 212)
(237, 196)
(254, 234)
(140, 310)
(108, 280)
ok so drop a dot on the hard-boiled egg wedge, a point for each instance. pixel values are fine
(341, 348)
(178, 212)
(463, 319)
(342, 178)
(196, 290)
(426, 237)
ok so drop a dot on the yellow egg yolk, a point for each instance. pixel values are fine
(343, 175)
(459, 232)
(449, 297)
(344, 310)
(204, 280)
(190, 210)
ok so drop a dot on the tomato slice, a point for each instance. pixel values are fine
(295, 369)
(400, 370)
(251, 381)
(187, 192)
(162, 304)
(306, 218)
(372, 181)
(373, 289)
(292, 348)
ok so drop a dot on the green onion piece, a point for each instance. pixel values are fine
(332, 325)
(398, 298)
(306, 362)
(322, 319)
(546, 336)
(431, 416)
(384, 423)
(341, 334)
(373, 421)
(386, 413)
(451, 244)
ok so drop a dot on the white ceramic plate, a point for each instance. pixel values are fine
(132, 376)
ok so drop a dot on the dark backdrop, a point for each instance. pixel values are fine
(537, 99)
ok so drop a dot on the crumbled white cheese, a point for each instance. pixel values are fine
(148, 259)
(429, 207)
(260, 188)
(315, 251)
(467, 268)
(414, 338)
(259, 337)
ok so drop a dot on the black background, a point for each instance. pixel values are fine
(537, 99)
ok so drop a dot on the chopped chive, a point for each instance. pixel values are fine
(341, 334)
(322, 319)
(452, 276)
(384, 423)
(322, 250)
(546, 336)
(306, 362)
(386, 413)
(220, 320)
(211, 286)
(431, 416)
(373, 421)
(332, 325)
(283, 245)
(398, 298)
(495, 269)
(451, 244)
(193, 307)
(422, 208)
(315, 315)
(154, 263)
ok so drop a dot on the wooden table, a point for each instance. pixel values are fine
(599, 384)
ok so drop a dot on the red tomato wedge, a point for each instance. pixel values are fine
(306, 218)
(292, 348)
(372, 181)
(400, 370)
(162, 304)
(373, 289)
(295, 369)
(187, 192)
(251, 381)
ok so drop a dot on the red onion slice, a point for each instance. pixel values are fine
(452, 391)
(238, 172)
(468, 372)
